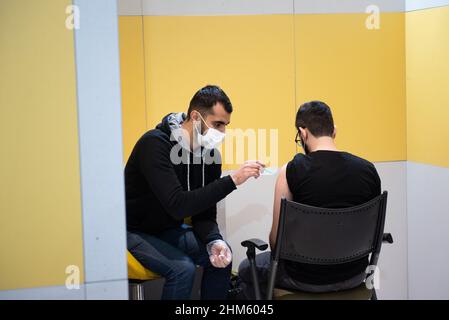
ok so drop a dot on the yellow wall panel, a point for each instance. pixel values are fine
(132, 81)
(250, 57)
(428, 86)
(360, 74)
(40, 211)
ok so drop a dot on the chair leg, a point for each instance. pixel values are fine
(196, 289)
(252, 263)
(272, 279)
(136, 291)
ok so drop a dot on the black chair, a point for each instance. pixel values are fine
(324, 236)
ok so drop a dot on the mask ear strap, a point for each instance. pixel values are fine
(195, 121)
(203, 120)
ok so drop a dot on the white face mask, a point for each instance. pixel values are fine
(212, 137)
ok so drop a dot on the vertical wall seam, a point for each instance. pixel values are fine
(406, 153)
(407, 229)
(80, 157)
(121, 129)
(144, 65)
(295, 72)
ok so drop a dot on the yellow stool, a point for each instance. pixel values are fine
(138, 275)
(137, 271)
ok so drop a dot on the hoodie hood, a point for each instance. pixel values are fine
(171, 125)
(171, 121)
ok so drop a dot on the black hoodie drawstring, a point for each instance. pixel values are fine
(188, 171)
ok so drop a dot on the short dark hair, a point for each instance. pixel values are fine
(317, 117)
(206, 98)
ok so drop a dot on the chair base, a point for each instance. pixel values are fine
(358, 293)
(146, 290)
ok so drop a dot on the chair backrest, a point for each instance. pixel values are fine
(324, 236)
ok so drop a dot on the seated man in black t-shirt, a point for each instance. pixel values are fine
(322, 177)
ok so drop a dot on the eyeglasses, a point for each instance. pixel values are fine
(298, 139)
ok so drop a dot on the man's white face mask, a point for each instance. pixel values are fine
(211, 138)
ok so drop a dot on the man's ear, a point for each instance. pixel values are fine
(335, 132)
(303, 133)
(194, 115)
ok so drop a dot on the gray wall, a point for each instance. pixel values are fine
(428, 216)
(428, 235)
(102, 184)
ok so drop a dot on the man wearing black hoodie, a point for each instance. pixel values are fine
(174, 174)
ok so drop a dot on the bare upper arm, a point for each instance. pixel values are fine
(281, 191)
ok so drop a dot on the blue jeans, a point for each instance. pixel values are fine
(173, 254)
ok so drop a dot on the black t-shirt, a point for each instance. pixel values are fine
(330, 179)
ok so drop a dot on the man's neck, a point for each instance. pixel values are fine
(323, 143)
(188, 129)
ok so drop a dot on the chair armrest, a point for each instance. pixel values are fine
(255, 243)
(387, 238)
(251, 245)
